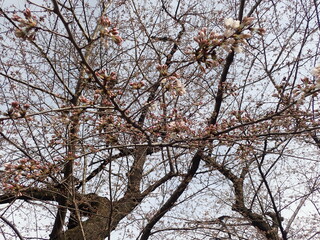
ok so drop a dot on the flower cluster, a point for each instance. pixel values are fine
(19, 175)
(85, 100)
(231, 23)
(316, 73)
(108, 33)
(137, 85)
(108, 80)
(231, 26)
(172, 83)
(177, 126)
(235, 35)
(174, 126)
(163, 69)
(27, 26)
(18, 111)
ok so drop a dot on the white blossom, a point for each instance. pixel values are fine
(228, 33)
(180, 89)
(238, 49)
(316, 71)
(163, 81)
(231, 23)
(153, 106)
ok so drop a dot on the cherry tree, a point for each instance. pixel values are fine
(159, 119)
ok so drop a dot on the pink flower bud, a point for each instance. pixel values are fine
(104, 21)
(261, 31)
(114, 31)
(117, 40)
(247, 20)
(113, 75)
(27, 13)
(15, 104)
(16, 18)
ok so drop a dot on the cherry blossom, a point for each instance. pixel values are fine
(107, 33)
(231, 23)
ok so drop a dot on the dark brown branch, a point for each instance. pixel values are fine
(219, 97)
(257, 220)
(58, 222)
(156, 85)
(68, 169)
(175, 45)
(277, 213)
(102, 166)
(28, 84)
(174, 197)
(254, 8)
(35, 194)
(15, 145)
(154, 186)
(241, 10)
(96, 226)
(135, 173)
(12, 227)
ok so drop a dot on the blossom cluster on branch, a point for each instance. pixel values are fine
(25, 172)
(174, 85)
(316, 73)
(108, 80)
(171, 82)
(27, 26)
(108, 33)
(17, 111)
(232, 39)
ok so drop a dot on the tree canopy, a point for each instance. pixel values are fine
(127, 119)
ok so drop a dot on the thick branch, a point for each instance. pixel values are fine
(135, 173)
(96, 227)
(31, 194)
